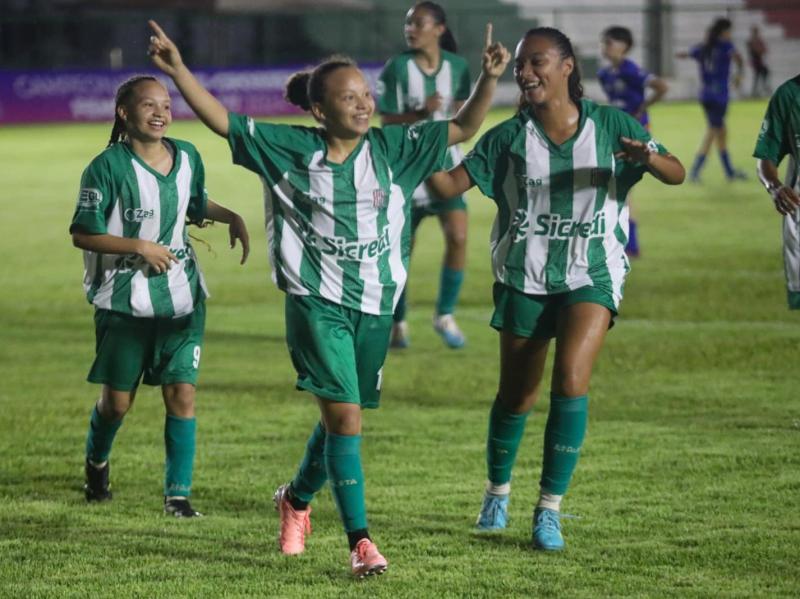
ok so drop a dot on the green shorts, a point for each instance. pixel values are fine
(165, 350)
(528, 315)
(338, 352)
(435, 208)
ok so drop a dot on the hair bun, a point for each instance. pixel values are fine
(296, 91)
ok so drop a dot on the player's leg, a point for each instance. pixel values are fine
(453, 220)
(526, 324)
(581, 331)
(721, 131)
(791, 256)
(632, 246)
(175, 367)
(122, 344)
(705, 145)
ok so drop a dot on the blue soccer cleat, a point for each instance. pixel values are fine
(547, 530)
(494, 512)
(448, 330)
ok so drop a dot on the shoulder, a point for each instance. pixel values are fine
(454, 59)
(398, 61)
(506, 131)
(607, 116)
(185, 146)
(112, 159)
(603, 72)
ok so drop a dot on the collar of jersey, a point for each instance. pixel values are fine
(176, 161)
(435, 72)
(565, 147)
(352, 156)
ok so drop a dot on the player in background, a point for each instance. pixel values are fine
(756, 52)
(430, 82)
(338, 205)
(714, 58)
(559, 172)
(780, 136)
(625, 84)
(143, 278)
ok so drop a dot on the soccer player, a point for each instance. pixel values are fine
(430, 82)
(714, 61)
(143, 278)
(625, 84)
(559, 172)
(338, 201)
(779, 136)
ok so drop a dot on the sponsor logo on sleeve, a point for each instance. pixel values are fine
(89, 199)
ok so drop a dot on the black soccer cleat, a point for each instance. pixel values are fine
(180, 508)
(97, 486)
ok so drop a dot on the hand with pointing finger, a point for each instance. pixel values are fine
(163, 51)
(495, 56)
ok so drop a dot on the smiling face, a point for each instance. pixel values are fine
(541, 74)
(147, 114)
(347, 105)
(421, 29)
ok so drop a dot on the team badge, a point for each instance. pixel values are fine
(378, 199)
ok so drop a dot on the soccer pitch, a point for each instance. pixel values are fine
(689, 482)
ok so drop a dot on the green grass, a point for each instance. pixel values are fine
(690, 480)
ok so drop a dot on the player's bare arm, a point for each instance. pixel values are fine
(664, 167)
(237, 229)
(785, 198)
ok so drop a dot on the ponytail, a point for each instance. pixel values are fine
(307, 87)
(719, 27)
(124, 93)
(448, 41)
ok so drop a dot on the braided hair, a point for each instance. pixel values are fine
(124, 93)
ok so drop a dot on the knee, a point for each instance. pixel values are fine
(456, 238)
(179, 400)
(347, 423)
(571, 384)
(113, 405)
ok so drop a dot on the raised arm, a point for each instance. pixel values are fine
(468, 120)
(165, 55)
(785, 198)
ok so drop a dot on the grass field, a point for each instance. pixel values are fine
(689, 484)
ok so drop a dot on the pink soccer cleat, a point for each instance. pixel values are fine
(366, 560)
(295, 524)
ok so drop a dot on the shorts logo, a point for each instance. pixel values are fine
(89, 198)
(378, 199)
(138, 215)
(413, 132)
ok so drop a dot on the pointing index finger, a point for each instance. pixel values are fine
(155, 27)
(488, 35)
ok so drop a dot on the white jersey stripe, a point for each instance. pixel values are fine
(177, 280)
(537, 188)
(584, 193)
(416, 87)
(444, 86)
(149, 199)
(396, 216)
(501, 245)
(291, 245)
(616, 259)
(113, 227)
(320, 180)
(366, 182)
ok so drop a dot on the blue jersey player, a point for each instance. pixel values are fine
(714, 58)
(625, 83)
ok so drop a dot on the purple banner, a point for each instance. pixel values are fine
(84, 95)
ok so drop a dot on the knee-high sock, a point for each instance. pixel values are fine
(563, 438)
(697, 166)
(179, 439)
(100, 436)
(343, 463)
(312, 474)
(632, 247)
(505, 434)
(449, 289)
(725, 159)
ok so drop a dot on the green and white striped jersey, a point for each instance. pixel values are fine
(562, 220)
(121, 195)
(404, 87)
(780, 130)
(339, 231)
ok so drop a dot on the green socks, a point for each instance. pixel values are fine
(312, 473)
(563, 438)
(179, 438)
(505, 434)
(101, 436)
(343, 464)
(449, 289)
